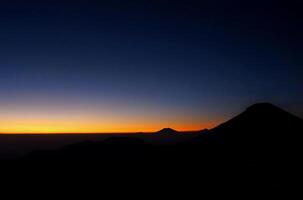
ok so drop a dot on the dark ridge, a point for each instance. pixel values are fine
(124, 141)
(114, 148)
(204, 131)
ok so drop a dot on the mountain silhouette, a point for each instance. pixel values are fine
(261, 124)
(167, 131)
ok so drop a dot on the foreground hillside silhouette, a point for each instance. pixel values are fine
(259, 148)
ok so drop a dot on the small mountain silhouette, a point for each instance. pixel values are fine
(167, 131)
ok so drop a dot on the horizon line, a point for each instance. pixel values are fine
(94, 133)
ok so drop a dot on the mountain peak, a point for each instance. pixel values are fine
(167, 131)
(262, 118)
(269, 112)
(263, 106)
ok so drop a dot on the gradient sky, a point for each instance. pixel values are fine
(123, 66)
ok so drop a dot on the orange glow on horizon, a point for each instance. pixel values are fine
(40, 127)
(88, 130)
(68, 118)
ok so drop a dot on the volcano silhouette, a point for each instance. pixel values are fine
(261, 123)
(167, 131)
(263, 133)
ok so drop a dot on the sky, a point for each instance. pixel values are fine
(128, 66)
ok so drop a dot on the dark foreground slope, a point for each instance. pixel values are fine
(260, 148)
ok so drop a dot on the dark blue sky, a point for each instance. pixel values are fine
(181, 60)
